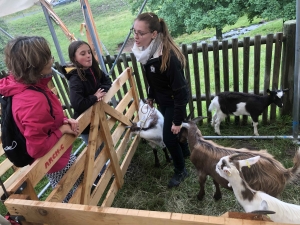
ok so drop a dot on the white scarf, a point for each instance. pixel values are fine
(154, 49)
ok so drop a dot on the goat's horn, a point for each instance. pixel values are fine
(127, 126)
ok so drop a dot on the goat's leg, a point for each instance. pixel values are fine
(255, 123)
(168, 158)
(157, 164)
(213, 120)
(219, 118)
(218, 194)
(202, 180)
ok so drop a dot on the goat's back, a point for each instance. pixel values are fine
(267, 175)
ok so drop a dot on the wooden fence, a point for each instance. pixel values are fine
(251, 65)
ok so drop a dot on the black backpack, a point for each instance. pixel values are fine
(13, 142)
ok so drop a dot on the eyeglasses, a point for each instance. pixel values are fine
(139, 34)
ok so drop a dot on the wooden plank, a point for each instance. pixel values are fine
(116, 85)
(188, 77)
(4, 166)
(235, 70)
(197, 80)
(276, 70)
(120, 69)
(246, 63)
(130, 154)
(225, 64)
(137, 76)
(90, 153)
(120, 107)
(67, 182)
(267, 75)
(113, 74)
(109, 143)
(216, 66)
(115, 114)
(74, 214)
(133, 86)
(206, 77)
(257, 55)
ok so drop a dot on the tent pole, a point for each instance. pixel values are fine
(53, 34)
(296, 75)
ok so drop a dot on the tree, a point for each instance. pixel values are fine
(186, 16)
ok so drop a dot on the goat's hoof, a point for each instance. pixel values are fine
(200, 197)
(217, 197)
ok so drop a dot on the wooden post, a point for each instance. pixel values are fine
(288, 64)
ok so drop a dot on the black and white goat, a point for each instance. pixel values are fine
(251, 200)
(150, 127)
(268, 175)
(237, 103)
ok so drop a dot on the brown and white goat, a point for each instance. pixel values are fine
(150, 128)
(268, 175)
(230, 166)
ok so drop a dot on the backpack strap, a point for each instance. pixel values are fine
(35, 88)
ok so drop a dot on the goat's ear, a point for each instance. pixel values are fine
(190, 115)
(268, 91)
(263, 205)
(197, 119)
(248, 162)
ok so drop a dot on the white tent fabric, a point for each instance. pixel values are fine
(11, 6)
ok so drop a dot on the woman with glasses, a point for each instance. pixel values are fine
(163, 64)
(37, 113)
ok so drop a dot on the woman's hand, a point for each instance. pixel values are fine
(100, 93)
(70, 126)
(175, 129)
(150, 102)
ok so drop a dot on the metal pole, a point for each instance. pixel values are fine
(251, 137)
(93, 36)
(53, 34)
(296, 74)
(123, 46)
(7, 34)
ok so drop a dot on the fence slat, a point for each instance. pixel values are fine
(197, 80)
(113, 74)
(257, 49)
(216, 66)
(137, 76)
(268, 61)
(188, 78)
(246, 63)
(206, 77)
(276, 69)
(235, 65)
(225, 65)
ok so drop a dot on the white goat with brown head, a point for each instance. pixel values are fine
(268, 175)
(230, 168)
(150, 128)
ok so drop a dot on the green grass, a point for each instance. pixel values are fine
(145, 186)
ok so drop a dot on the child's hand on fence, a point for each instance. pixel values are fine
(100, 93)
(70, 126)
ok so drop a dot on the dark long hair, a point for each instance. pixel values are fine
(160, 26)
(95, 65)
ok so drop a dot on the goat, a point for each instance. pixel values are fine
(268, 175)
(237, 103)
(150, 127)
(230, 168)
